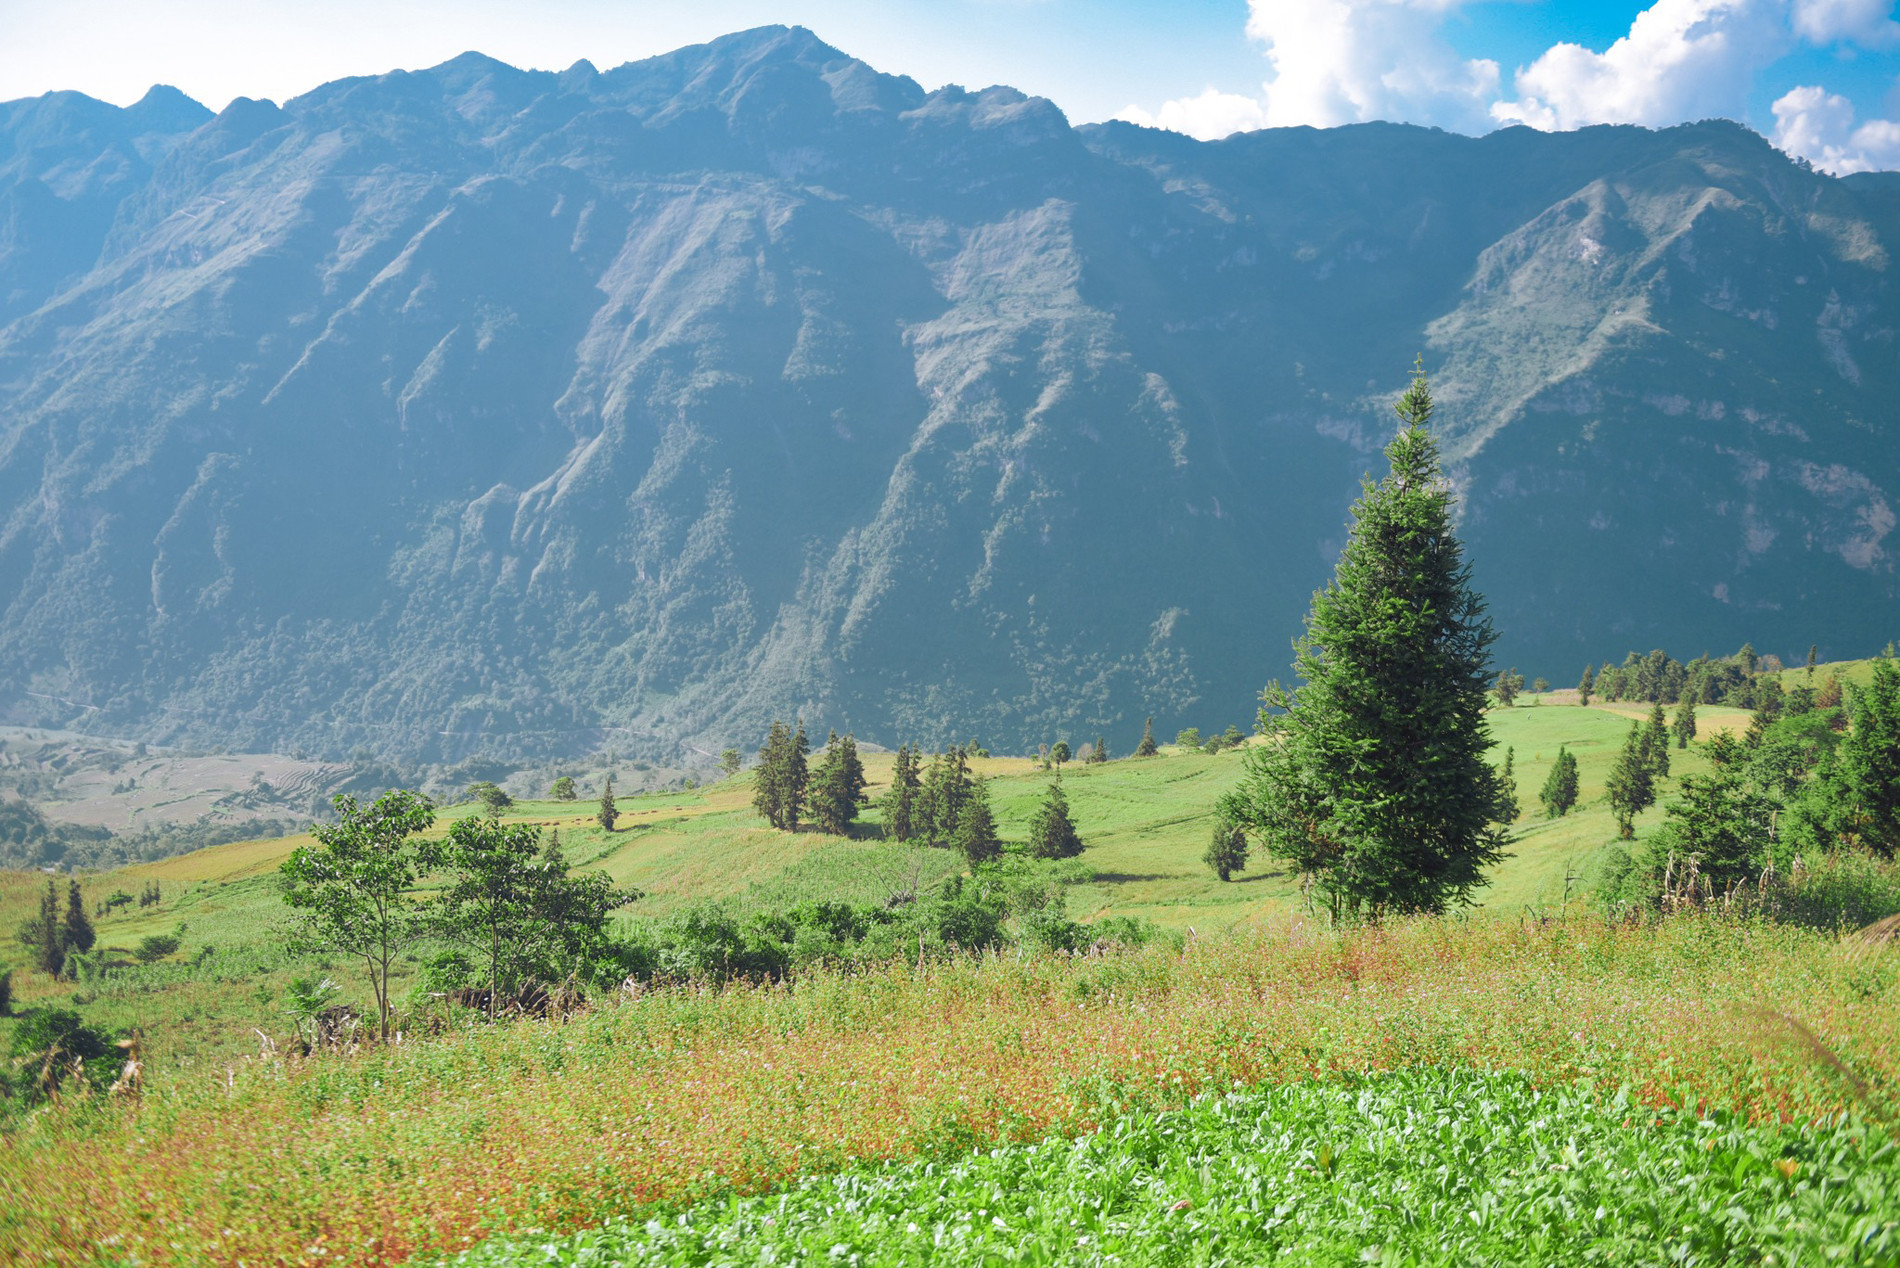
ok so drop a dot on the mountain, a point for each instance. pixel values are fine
(479, 411)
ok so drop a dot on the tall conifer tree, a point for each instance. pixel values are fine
(1684, 725)
(1052, 833)
(1560, 786)
(1372, 777)
(1586, 684)
(975, 836)
(1632, 784)
(77, 932)
(1147, 747)
(608, 813)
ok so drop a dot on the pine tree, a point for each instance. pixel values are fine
(837, 786)
(1560, 786)
(730, 760)
(1509, 683)
(946, 790)
(1052, 833)
(608, 812)
(1656, 742)
(1147, 747)
(1586, 684)
(1372, 778)
(975, 837)
(797, 777)
(1100, 752)
(1631, 786)
(77, 933)
(768, 780)
(900, 800)
(1507, 789)
(1227, 852)
(50, 947)
(1684, 725)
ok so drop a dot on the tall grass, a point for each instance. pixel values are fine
(683, 1094)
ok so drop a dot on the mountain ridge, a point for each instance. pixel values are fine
(474, 409)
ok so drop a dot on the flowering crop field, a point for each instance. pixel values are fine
(645, 1107)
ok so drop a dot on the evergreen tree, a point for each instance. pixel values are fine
(1813, 648)
(1586, 684)
(1631, 786)
(1870, 759)
(1227, 852)
(768, 780)
(975, 836)
(1060, 754)
(1372, 777)
(1829, 696)
(946, 791)
(797, 776)
(1509, 683)
(837, 786)
(1147, 747)
(730, 761)
(1100, 752)
(900, 801)
(49, 947)
(1684, 725)
(1540, 685)
(1560, 786)
(1721, 823)
(1052, 833)
(1656, 742)
(1507, 789)
(607, 812)
(1747, 658)
(77, 933)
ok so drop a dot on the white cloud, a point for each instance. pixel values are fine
(1683, 59)
(1817, 125)
(1344, 61)
(1863, 22)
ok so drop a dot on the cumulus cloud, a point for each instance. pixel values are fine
(1817, 125)
(1344, 61)
(1683, 59)
(1863, 22)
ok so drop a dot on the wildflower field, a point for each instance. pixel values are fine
(640, 1108)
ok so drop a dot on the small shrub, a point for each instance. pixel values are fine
(156, 947)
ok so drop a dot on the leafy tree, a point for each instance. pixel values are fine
(1060, 753)
(156, 946)
(1372, 777)
(351, 890)
(975, 837)
(1508, 808)
(1188, 738)
(563, 789)
(1147, 747)
(77, 932)
(509, 900)
(492, 796)
(1684, 725)
(1586, 684)
(1509, 683)
(1870, 758)
(50, 1046)
(608, 813)
(1632, 783)
(837, 785)
(1656, 742)
(1052, 833)
(1540, 685)
(1227, 852)
(1100, 752)
(1747, 658)
(730, 761)
(1560, 786)
(901, 800)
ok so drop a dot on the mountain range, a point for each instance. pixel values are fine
(479, 412)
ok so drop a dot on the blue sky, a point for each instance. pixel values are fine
(1822, 77)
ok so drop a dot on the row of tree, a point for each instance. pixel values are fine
(1744, 680)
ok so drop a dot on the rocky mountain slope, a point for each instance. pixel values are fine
(475, 410)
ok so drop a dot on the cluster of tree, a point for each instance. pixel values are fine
(1796, 784)
(564, 789)
(943, 804)
(786, 784)
(1190, 738)
(504, 896)
(1743, 681)
(1373, 780)
(28, 840)
(55, 935)
(1057, 754)
(492, 797)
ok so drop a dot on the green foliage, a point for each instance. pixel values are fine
(1632, 784)
(51, 1048)
(1147, 747)
(1227, 851)
(351, 891)
(563, 789)
(48, 944)
(608, 814)
(1052, 833)
(782, 777)
(1684, 725)
(1719, 822)
(6, 992)
(1060, 753)
(1870, 759)
(1540, 685)
(1188, 738)
(156, 946)
(1655, 743)
(730, 760)
(1586, 684)
(1560, 786)
(947, 788)
(1438, 1166)
(975, 836)
(304, 999)
(1509, 683)
(837, 785)
(1373, 779)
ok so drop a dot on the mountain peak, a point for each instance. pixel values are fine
(164, 108)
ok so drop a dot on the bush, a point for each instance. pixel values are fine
(156, 947)
(51, 1047)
